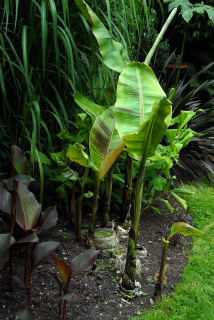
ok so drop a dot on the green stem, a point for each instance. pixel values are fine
(108, 197)
(79, 210)
(94, 207)
(160, 36)
(128, 281)
(162, 272)
(126, 203)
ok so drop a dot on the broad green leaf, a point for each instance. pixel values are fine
(104, 141)
(27, 207)
(168, 205)
(65, 135)
(155, 127)
(83, 262)
(64, 169)
(158, 183)
(137, 91)
(171, 135)
(182, 119)
(185, 4)
(76, 153)
(42, 251)
(113, 53)
(180, 200)
(49, 219)
(185, 136)
(93, 109)
(19, 161)
(5, 199)
(4, 248)
(187, 15)
(64, 270)
(185, 229)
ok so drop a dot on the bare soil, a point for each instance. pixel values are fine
(96, 293)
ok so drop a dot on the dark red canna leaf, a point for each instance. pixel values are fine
(27, 207)
(64, 270)
(42, 251)
(5, 199)
(83, 262)
(49, 219)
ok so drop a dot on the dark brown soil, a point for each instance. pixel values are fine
(96, 294)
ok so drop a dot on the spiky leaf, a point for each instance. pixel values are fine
(83, 262)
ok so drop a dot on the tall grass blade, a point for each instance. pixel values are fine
(44, 30)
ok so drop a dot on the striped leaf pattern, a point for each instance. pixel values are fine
(137, 91)
(27, 207)
(104, 140)
(64, 169)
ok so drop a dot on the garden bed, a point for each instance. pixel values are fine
(96, 294)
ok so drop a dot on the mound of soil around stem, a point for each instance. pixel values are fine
(96, 293)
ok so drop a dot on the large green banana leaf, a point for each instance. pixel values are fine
(113, 53)
(137, 91)
(151, 131)
(93, 109)
(105, 143)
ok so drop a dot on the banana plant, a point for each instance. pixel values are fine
(179, 227)
(141, 115)
(105, 146)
